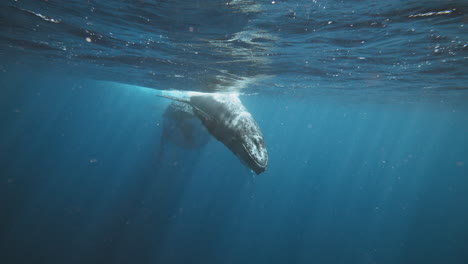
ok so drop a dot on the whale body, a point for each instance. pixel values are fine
(227, 119)
(182, 128)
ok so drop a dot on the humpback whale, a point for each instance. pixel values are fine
(227, 119)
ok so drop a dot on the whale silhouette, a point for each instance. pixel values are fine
(227, 119)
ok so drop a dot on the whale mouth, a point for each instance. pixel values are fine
(259, 166)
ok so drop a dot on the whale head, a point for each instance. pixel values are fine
(228, 120)
(253, 152)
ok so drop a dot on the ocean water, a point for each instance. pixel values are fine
(363, 106)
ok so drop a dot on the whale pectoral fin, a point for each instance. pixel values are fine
(175, 98)
(204, 117)
(207, 119)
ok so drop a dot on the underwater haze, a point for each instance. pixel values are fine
(363, 106)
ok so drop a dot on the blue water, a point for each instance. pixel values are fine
(363, 106)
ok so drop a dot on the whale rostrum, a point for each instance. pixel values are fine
(227, 119)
